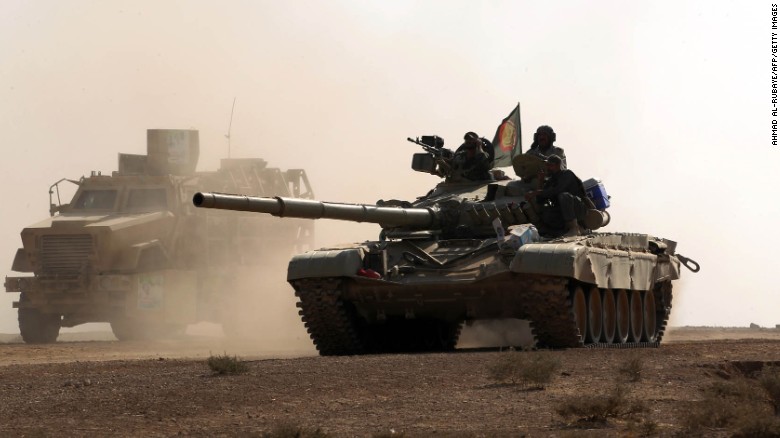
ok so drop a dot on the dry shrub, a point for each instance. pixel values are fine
(224, 364)
(600, 407)
(757, 425)
(631, 368)
(736, 405)
(709, 412)
(770, 381)
(532, 370)
(737, 389)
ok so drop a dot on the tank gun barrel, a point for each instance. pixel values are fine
(310, 209)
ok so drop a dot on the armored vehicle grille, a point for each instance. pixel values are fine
(66, 254)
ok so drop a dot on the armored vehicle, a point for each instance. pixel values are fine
(465, 251)
(130, 249)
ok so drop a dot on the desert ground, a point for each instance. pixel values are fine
(88, 384)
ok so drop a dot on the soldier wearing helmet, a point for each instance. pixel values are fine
(542, 146)
(473, 159)
(565, 200)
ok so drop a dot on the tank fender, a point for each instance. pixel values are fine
(606, 268)
(325, 263)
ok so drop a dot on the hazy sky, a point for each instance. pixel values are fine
(667, 102)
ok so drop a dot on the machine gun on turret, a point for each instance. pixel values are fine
(437, 160)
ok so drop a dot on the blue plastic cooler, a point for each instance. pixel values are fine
(597, 193)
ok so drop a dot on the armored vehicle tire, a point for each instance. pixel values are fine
(595, 316)
(623, 318)
(38, 328)
(609, 317)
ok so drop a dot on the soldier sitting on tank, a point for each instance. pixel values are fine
(563, 200)
(472, 161)
(542, 146)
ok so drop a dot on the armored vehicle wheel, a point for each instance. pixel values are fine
(37, 327)
(623, 317)
(594, 315)
(609, 316)
(635, 315)
(650, 330)
(579, 309)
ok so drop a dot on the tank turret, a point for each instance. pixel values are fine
(451, 211)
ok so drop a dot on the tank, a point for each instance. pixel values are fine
(130, 249)
(466, 251)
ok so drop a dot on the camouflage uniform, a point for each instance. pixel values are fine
(544, 153)
(476, 168)
(566, 194)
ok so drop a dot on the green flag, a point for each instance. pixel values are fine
(507, 140)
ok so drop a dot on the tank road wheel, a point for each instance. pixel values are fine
(622, 317)
(38, 328)
(609, 316)
(594, 315)
(579, 309)
(637, 322)
(649, 333)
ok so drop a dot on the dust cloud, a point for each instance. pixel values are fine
(515, 333)
(671, 111)
(264, 316)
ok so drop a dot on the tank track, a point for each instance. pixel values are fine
(549, 312)
(337, 329)
(331, 324)
(663, 302)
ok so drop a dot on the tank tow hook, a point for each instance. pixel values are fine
(691, 264)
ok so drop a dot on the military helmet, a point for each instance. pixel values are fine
(471, 136)
(547, 130)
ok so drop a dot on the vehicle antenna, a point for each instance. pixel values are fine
(230, 125)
